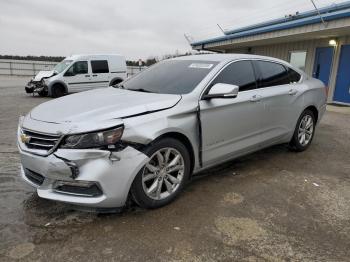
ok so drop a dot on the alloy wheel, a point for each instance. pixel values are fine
(306, 129)
(163, 174)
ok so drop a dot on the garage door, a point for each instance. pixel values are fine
(342, 88)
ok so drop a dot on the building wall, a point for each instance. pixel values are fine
(282, 51)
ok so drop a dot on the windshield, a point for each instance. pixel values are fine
(171, 77)
(61, 66)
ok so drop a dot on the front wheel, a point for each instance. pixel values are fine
(58, 90)
(161, 180)
(304, 131)
(43, 93)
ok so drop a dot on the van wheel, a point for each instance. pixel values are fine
(304, 132)
(116, 82)
(58, 90)
(43, 93)
(161, 180)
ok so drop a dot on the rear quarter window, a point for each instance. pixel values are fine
(293, 76)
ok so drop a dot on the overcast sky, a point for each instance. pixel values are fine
(134, 28)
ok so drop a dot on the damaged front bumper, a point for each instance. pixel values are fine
(35, 87)
(91, 178)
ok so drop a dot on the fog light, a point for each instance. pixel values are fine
(78, 188)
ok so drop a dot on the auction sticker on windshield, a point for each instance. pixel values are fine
(202, 66)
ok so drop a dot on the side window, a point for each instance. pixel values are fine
(272, 74)
(99, 66)
(78, 68)
(293, 76)
(238, 73)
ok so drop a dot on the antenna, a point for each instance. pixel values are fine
(187, 39)
(319, 13)
(222, 30)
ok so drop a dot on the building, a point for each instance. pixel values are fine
(317, 42)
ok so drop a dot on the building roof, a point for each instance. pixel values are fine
(329, 13)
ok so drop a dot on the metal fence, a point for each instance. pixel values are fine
(133, 70)
(24, 67)
(31, 68)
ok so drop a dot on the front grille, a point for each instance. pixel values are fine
(34, 177)
(40, 141)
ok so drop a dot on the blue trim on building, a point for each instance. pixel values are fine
(324, 10)
(331, 13)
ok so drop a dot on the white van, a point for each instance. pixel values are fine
(79, 73)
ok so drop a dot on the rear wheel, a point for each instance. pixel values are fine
(304, 131)
(161, 180)
(116, 82)
(58, 90)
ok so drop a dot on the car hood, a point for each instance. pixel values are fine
(43, 74)
(102, 104)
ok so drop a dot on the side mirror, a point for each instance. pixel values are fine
(222, 91)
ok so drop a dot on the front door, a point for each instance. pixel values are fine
(323, 64)
(342, 88)
(77, 77)
(231, 126)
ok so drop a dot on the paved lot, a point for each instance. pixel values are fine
(270, 206)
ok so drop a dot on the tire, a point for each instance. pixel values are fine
(304, 132)
(115, 82)
(43, 93)
(156, 186)
(58, 90)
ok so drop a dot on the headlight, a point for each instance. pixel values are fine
(45, 81)
(93, 140)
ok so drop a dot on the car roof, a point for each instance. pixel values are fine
(226, 57)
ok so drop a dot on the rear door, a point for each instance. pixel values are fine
(231, 126)
(100, 73)
(279, 94)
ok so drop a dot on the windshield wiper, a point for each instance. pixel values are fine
(142, 90)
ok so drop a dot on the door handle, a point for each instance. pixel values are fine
(94, 75)
(293, 92)
(87, 75)
(255, 98)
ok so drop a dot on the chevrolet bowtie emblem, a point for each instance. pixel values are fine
(25, 138)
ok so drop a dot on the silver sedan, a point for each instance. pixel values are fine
(147, 137)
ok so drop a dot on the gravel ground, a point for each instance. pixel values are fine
(274, 205)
